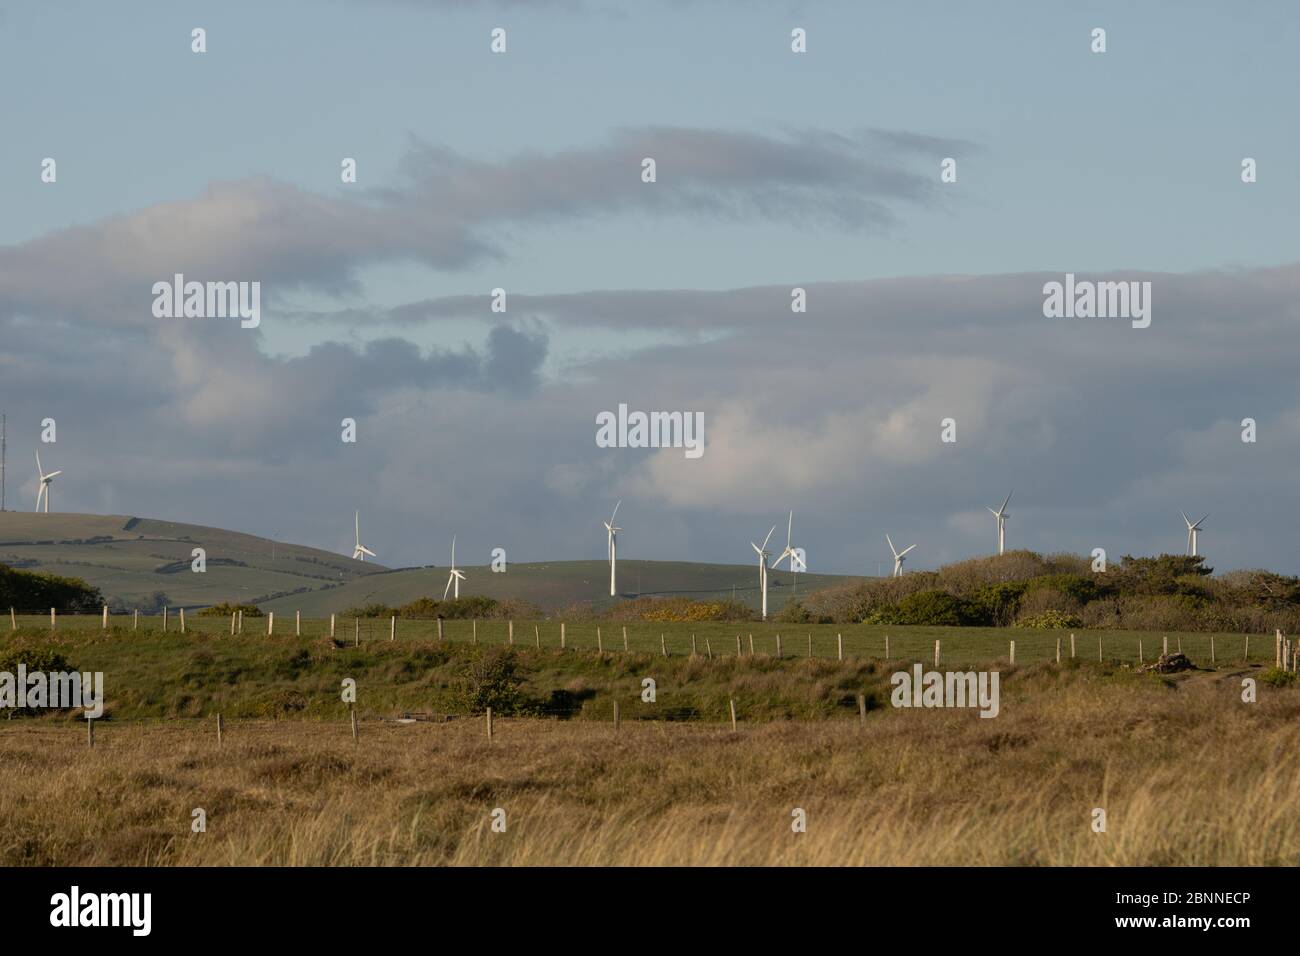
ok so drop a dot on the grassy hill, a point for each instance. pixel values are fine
(129, 559)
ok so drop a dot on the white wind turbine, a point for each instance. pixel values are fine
(613, 531)
(360, 551)
(899, 557)
(790, 551)
(456, 576)
(762, 567)
(1002, 516)
(44, 488)
(1193, 528)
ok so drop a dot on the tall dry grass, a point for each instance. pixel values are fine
(1187, 774)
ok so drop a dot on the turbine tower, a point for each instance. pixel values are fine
(456, 576)
(613, 549)
(1192, 532)
(762, 567)
(1002, 516)
(360, 551)
(44, 488)
(899, 557)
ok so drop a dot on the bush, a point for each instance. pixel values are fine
(491, 679)
(369, 610)
(39, 591)
(225, 609)
(1051, 620)
(938, 608)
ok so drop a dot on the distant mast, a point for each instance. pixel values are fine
(3, 423)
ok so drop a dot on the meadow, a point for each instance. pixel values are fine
(1186, 773)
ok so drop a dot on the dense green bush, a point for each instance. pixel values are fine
(40, 591)
(491, 679)
(1051, 619)
(226, 608)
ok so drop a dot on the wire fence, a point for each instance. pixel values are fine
(705, 640)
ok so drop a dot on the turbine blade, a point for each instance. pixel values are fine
(1186, 520)
(447, 589)
(1007, 501)
(891, 545)
(56, 473)
(615, 514)
(905, 550)
(769, 537)
(789, 528)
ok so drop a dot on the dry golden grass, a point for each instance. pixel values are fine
(1188, 775)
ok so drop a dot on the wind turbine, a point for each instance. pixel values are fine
(456, 576)
(1002, 516)
(1192, 530)
(360, 551)
(613, 549)
(790, 551)
(762, 567)
(899, 557)
(44, 488)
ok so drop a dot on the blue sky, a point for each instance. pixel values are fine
(1125, 162)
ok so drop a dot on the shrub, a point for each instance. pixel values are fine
(491, 679)
(39, 591)
(1051, 619)
(938, 608)
(369, 610)
(226, 608)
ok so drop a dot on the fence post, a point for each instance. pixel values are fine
(1098, 648)
(331, 625)
(297, 621)
(1165, 651)
(1058, 650)
(625, 637)
(694, 650)
(439, 628)
(270, 623)
(353, 711)
(105, 625)
(392, 628)
(1013, 652)
(473, 637)
(886, 647)
(90, 733)
(13, 620)
(708, 646)
(218, 730)
(600, 644)
(489, 724)
(1211, 648)
(562, 645)
(232, 623)
(862, 709)
(510, 632)
(778, 645)
(936, 653)
(241, 620)
(662, 646)
(810, 645)
(737, 645)
(135, 622)
(53, 620)
(356, 632)
(839, 640)
(615, 716)
(182, 620)
(537, 637)
(166, 611)
(732, 704)
(1246, 658)
(1071, 647)
(1139, 650)
(751, 645)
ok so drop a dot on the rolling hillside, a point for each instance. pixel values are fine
(130, 559)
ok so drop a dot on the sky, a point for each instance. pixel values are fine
(522, 171)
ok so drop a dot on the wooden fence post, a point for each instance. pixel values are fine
(810, 645)
(297, 621)
(1139, 650)
(936, 654)
(886, 647)
(1013, 652)
(182, 620)
(737, 645)
(778, 645)
(473, 638)
(356, 632)
(1212, 649)
(510, 632)
(331, 625)
(1246, 657)
(232, 623)
(839, 641)
(241, 621)
(53, 620)
(1098, 648)
(165, 613)
(600, 643)
(90, 733)
(615, 716)
(439, 628)
(662, 646)
(392, 628)
(862, 709)
(270, 623)
(13, 620)
(708, 646)
(561, 635)
(1058, 650)
(105, 624)
(353, 711)
(625, 637)
(537, 637)
(218, 731)
(489, 724)
(732, 704)
(751, 645)
(1071, 647)
(1165, 651)
(694, 649)
(135, 621)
